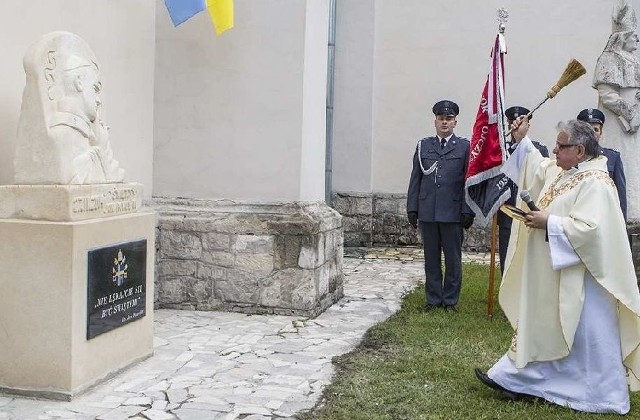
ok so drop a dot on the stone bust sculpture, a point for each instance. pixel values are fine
(617, 79)
(617, 73)
(61, 137)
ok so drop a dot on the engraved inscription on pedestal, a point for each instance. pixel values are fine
(64, 203)
(117, 200)
(116, 286)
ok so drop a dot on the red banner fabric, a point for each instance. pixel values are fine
(485, 189)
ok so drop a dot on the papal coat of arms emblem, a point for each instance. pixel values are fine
(119, 269)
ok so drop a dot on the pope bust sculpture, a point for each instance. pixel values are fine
(61, 136)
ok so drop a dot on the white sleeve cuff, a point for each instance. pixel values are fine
(513, 165)
(562, 253)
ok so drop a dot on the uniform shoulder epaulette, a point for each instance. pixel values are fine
(611, 150)
(463, 139)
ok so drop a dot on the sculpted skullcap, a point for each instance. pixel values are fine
(591, 115)
(75, 62)
(446, 107)
(516, 111)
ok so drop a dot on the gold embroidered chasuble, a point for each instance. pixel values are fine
(544, 305)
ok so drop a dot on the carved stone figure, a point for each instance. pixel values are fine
(61, 137)
(617, 79)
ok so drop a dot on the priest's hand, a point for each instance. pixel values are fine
(519, 128)
(537, 219)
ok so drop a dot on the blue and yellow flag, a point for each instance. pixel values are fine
(220, 11)
(181, 10)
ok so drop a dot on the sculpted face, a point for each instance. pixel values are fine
(82, 92)
(631, 42)
(89, 89)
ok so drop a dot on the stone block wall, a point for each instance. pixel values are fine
(380, 219)
(357, 222)
(251, 258)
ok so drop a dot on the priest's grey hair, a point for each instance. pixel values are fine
(580, 132)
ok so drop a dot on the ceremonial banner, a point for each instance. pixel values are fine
(485, 186)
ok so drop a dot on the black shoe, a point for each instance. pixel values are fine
(451, 308)
(429, 307)
(485, 379)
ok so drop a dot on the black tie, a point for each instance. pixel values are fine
(443, 142)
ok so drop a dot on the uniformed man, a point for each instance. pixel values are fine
(504, 221)
(595, 117)
(436, 199)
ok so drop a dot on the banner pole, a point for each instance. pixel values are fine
(492, 266)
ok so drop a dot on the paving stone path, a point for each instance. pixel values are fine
(221, 365)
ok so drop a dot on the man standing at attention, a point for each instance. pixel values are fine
(436, 199)
(595, 117)
(504, 221)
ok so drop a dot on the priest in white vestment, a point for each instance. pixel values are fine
(569, 289)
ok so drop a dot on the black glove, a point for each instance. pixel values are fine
(413, 218)
(467, 220)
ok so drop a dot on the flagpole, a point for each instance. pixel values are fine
(492, 266)
(502, 15)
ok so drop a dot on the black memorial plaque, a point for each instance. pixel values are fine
(116, 286)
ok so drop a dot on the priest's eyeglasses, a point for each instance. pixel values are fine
(564, 146)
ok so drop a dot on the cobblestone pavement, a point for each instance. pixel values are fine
(410, 254)
(221, 365)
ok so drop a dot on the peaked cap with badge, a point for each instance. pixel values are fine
(446, 107)
(514, 112)
(591, 115)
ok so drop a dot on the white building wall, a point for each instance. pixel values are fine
(122, 35)
(353, 125)
(241, 116)
(424, 51)
(314, 116)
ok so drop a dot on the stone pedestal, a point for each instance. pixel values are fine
(252, 258)
(44, 350)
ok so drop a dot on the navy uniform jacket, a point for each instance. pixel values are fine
(439, 196)
(503, 219)
(616, 172)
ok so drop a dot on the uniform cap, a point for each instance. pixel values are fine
(446, 107)
(516, 111)
(591, 115)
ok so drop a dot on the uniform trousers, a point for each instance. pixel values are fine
(442, 238)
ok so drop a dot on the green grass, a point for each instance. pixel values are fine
(420, 366)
